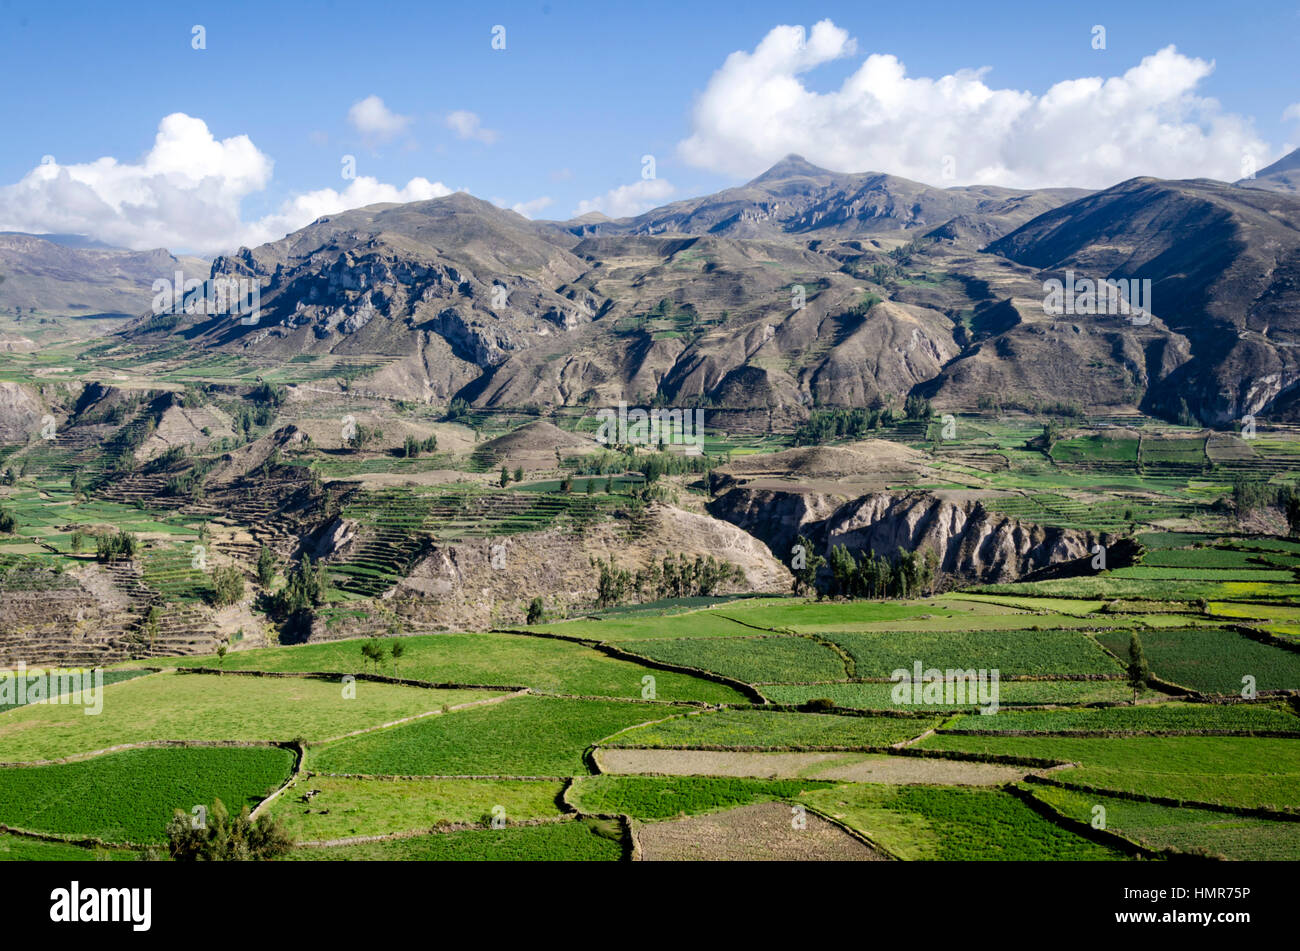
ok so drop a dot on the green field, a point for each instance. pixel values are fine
(750, 659)
(320, 808)
(1154, 718)
(1019, 653)
(554, 842)
(130, 796)
(542, 663)
(1213, 661)
(954, 824)
(211, 707)
(109, 677)
(18, 848)
(1234, 771)
(879, 696)
(525, 736)
(1195, 831)
(755, 728)
(650, 798)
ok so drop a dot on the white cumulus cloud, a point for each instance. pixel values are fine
(305, 208)
(628, 200)
(529, 209)
(467, 125)
(376, 121)
(957, 129)
(184, 194)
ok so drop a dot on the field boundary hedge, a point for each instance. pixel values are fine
(148, 744)
(1255, 812)
(420, 716)
(618, 653)
(851, 831)
(400, 777)
(89, 842)
(336, 676)
(301, 751)
(1085, 829)
(441, 828)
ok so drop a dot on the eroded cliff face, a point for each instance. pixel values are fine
(972, 543)
(459, 586)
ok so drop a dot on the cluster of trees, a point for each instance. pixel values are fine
(8, 523)
(1251, 495)
(248, 418)
(372, 651)
(269, 394)
(221, 837)
(227, 585)
(412, 447)
(190, 482)
(825, 425)
(265, 567)
(907, 575)
(917, 407)
(650, 465)
(307, 587)
(111, 547)
(658, 464)
(677, 576)
(363, 434)
(874, 576)
(519, 477)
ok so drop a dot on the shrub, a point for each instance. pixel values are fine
(226, 838)
(227, 585)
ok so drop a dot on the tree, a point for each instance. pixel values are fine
(519, 473)
(265, 567)
(1248, 495)
(373, 651)
(110, 547)
(222, 837)
(8, 524)
(227, 586)
(221, 655)
(535, 610)
(843, 570)
(307, 587)
(397, 649)
(1138, 671)
(151, 624)
(1293, 513)
(805, 574)
(505, 477)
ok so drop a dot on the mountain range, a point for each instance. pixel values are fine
(803, 288)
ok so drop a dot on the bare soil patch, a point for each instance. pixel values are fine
(764, 831)
(848, 767)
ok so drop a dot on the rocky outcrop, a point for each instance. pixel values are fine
(468, 586)
(20, 412)
(972, 543)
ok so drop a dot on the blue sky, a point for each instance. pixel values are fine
(582, 90)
